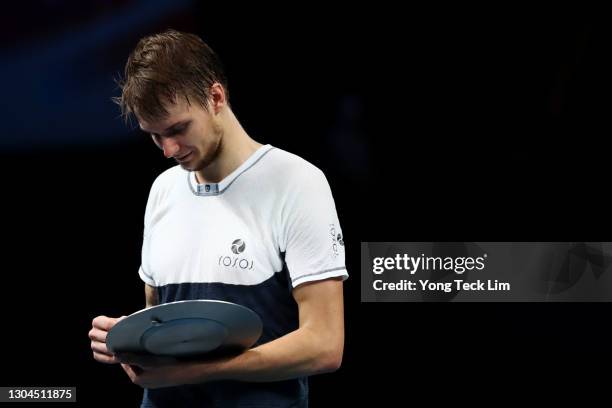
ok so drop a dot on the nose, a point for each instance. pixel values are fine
(170, 147)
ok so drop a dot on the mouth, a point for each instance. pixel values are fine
(183, 158)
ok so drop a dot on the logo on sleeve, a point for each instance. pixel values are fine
(336, 238)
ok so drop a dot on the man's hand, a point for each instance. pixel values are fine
(101, 325)
(145, 362)
(157, 371)
(144, 370)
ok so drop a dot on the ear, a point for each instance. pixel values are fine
(217, 98)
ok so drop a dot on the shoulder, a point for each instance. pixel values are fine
(289, 168)
(298, 184)
(166, 182)
(168, 178)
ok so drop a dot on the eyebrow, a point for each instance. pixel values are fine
(169, 128)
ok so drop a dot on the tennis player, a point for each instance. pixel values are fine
(235, 220)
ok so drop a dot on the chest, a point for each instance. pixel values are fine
(212, 240)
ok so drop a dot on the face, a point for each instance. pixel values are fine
(190, 134)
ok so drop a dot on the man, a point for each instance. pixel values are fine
(235, 221)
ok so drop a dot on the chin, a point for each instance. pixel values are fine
(202, 163)
(191, 165)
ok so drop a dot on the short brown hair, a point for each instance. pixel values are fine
(165, 66)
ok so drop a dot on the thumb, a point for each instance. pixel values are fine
(116, 320)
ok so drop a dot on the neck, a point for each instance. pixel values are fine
(235, 147)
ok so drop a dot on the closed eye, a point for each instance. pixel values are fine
(175, 132)
(171, 131)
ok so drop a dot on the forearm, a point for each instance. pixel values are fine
(315, 347)
(300, 353)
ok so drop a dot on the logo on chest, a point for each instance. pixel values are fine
(236, 262)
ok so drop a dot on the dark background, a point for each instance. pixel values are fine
(431, 125)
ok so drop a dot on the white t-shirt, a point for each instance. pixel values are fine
(275, 208)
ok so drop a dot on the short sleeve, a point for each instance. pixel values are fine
(151, 203)
(145, 277)
(314, 240)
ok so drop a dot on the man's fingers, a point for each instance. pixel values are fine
(98, 335)
(105, 323)
(104, 358)
(135, 373)
(101, 325)
(127, 369)
(145, 361)
(101, 348)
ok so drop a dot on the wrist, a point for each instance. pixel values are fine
(204, 371)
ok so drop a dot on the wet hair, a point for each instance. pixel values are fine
(164, 67)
